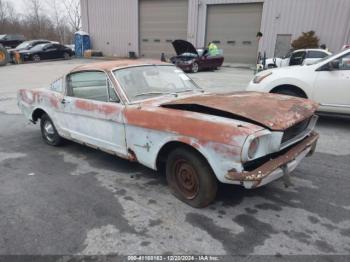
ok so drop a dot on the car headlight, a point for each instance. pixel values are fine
(253, 148)
(257, 79)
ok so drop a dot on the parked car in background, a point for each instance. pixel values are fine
(45, 52)
(297, 57)
(193, 60)
(326, 82)
(11, 41)
(152, 113)
(26, 45)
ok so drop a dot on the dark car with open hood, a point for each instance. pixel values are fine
(190, 59)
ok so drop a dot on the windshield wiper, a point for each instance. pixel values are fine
(151, 93)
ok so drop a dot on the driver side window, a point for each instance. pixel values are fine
(90, 85)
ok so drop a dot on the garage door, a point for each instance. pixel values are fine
(233, 27)
(161, 22)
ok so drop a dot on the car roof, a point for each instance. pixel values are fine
(311, 49)
(117, 64)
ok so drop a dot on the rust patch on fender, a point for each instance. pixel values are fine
(185, 124)
(101, 108)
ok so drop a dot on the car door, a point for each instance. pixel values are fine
(92, 112)
(50, 51)
(332, 86)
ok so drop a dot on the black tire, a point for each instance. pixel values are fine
(190, 178)
(4, 56)
(66, 56)
(195, 67)
(49, 132)
(289, 92)
(36, 58)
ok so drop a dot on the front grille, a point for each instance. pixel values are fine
(295, 130)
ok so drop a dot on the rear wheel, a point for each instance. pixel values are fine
(4, 56)
(49, 132)
(190, 178)
(195, 67)
(36, 58)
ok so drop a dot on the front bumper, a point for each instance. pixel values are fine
(278, 167)
(184, 67)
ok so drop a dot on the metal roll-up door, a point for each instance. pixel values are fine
(233, 28)
(161, 22)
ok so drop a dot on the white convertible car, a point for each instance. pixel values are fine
(326, 82)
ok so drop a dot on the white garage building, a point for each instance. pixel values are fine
(147, 27)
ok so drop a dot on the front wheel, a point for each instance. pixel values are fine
(66, 56)
(190, 178)
(195, 67)
(49, 132)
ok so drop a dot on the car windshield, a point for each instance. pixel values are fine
(142, 82)
(24, 45)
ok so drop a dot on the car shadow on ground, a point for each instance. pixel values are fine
(334, 121)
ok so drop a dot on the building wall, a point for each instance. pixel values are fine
(112, 24)
(116, 22)
(330, 19)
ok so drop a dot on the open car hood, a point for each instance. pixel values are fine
(275, 112)
(182, 46)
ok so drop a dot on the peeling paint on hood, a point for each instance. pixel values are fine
(275, 112)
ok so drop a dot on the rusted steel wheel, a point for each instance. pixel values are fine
(190, 178)
(49, 132)
(4, 56)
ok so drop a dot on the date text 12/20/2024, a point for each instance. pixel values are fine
(173, 258)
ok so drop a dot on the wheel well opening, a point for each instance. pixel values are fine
(38, 113)
(291, 88)
(167, 148)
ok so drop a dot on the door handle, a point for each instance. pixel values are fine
(64, 101)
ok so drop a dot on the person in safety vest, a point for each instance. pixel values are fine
(213, 49)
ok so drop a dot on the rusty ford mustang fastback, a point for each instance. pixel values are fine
(153, 113)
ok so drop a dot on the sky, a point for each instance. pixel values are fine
(19, 5)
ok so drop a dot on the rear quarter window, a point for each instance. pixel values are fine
(316, 54)
(57, 86)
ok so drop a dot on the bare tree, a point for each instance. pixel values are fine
(73, 13)
(34, 17)
(59, 19)
(6, 10)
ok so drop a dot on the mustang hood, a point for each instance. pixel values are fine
(182, 46)
(275, 112)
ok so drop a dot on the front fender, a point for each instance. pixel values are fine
(147, 144)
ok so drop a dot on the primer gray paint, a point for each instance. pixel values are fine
(116, 22)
